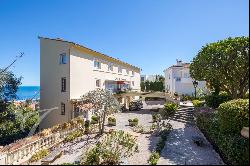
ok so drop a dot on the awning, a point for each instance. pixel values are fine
(122, 82)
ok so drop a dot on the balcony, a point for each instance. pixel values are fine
(117, 86)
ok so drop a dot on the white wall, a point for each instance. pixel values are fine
(83, 74)
(51, 72)
(185, 85)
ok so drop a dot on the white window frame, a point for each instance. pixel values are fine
(110, 67)
(63, 108)
(127, 71)
(97, 66)
(119, 69)
(96, 85)
(133, 83)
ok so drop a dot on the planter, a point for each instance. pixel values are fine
(112, 123)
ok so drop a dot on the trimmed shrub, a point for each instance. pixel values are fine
(215, 100)
(153, 159)
(133, 122)
(136, 120)
(198, 103)
(111, 121)
(233, 148)
(233, 115)
(94, 119)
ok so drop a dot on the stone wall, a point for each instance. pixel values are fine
(21, 151)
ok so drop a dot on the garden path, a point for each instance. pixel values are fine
(180, 149)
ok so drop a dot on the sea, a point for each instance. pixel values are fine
(28, 92)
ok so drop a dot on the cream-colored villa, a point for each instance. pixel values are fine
(69, 70)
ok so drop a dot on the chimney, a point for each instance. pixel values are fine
(179, 62)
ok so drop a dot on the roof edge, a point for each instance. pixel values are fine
(75, 44)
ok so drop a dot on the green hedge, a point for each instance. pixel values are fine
(234, 115)
(234, 148)
(215, 100)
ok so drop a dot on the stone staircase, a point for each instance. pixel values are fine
(184, 115)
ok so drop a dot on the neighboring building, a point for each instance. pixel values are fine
(177, 79)
(69, 70)
(150, 78)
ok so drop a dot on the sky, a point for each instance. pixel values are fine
(150, 34)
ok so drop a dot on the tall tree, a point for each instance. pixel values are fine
(8, 85)
(224, 65)
(8, 82)
(104, 103)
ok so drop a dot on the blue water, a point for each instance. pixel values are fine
(28, 92)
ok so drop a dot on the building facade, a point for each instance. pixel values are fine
(69, 70)
(178, 80)
(150, 78)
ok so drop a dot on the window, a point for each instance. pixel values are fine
(110, 67)
(97, 64)
(63, 84)
(119, 69)
(185, 75)
(133, 83)
(63, 58)
(178, 79)
(62, 109)
(133, 73)
(127, 71)
(98, 83)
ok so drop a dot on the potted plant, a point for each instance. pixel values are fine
(111, 121)
(133, 122)
(94, 119)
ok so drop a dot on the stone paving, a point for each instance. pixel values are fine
(180, 149)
